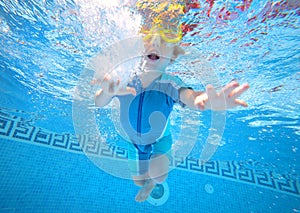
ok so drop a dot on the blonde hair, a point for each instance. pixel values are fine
(161, 13)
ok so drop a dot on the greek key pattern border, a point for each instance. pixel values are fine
(16, 129)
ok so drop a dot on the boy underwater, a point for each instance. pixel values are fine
(148, 100)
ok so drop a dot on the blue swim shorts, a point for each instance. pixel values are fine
(139, 155)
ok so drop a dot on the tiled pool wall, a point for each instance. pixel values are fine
(55, 174)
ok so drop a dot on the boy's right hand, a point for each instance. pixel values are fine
(112, 87)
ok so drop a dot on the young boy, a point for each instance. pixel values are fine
(146, 104)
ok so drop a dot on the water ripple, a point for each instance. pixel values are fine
(46, 44)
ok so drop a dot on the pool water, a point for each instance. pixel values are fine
(48, 162)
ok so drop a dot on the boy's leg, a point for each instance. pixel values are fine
(145, 191)
(158, 172)
(139, 165)
(140, 180)
(146, 184)
(159, 168)
(160, 159)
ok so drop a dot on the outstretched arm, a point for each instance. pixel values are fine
(109, 88)
(211, 99)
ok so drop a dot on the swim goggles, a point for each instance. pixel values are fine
(168, 35)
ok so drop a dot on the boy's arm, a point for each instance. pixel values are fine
(110, 88)
(226, 99)
(187, 96)
(102, 98)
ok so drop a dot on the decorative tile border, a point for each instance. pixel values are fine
(14, 128)
(233, 170)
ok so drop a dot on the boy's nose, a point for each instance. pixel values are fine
(155, 40)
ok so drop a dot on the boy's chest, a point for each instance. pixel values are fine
(147, 101)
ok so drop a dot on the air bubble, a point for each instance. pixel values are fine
(209, 188)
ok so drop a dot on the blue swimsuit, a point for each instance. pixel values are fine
(145, 119)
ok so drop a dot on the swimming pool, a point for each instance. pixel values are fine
(45, 166)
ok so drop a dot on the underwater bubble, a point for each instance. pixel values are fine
(209, 188)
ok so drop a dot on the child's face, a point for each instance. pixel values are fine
(158, 52)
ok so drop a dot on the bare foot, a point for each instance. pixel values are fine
(145, 191)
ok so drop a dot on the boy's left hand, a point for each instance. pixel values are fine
(226, 99)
